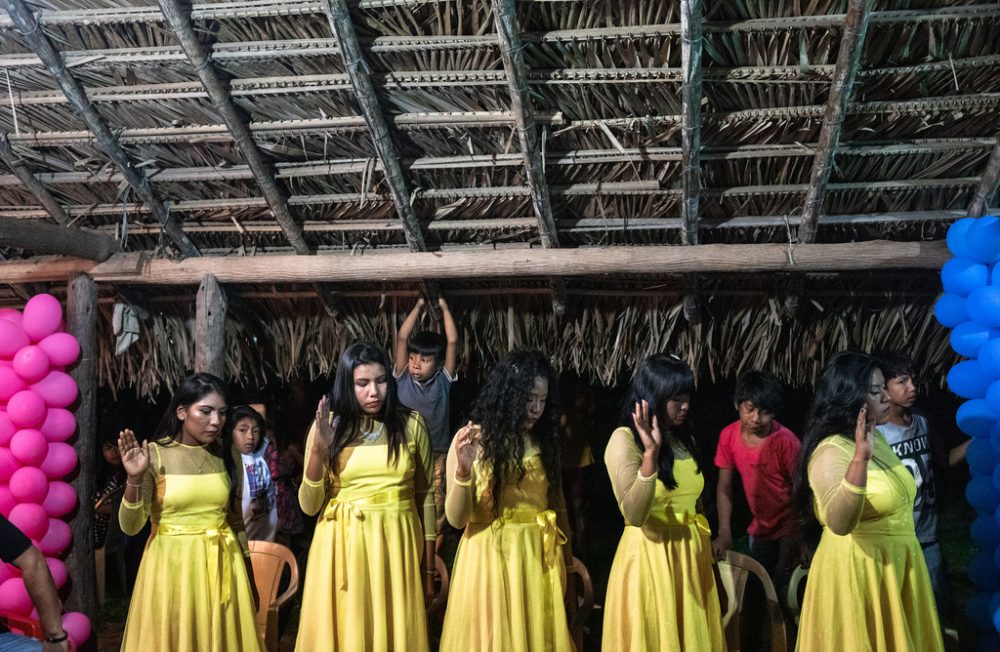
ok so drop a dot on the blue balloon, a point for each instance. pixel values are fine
(984, 573)
(989, 355)
(963, 275)
(969, 380)
(950, 310)
(993, 398)
(976, 418)
(982, 458)
(969, 337)
(956, 236)
(995, 611)
(984, 306)
(982, 240)
(985, 533)
(982, 495)
(977, 608)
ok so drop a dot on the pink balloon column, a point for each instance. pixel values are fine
(34, 455)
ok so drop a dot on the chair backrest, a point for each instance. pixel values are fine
(441, 597)
(735, 570)
(793, 599)
(269, 561)
(585, 601)
(26, 626)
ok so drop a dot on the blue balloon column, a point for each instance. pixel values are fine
(970, 307)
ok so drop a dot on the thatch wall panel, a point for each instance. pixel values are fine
(765, 131)
(889, 201)
(780, 47)
(636, 133)
(472, 208)
(445, 99)
(462, 17)
(887, 167)
(762, 94)
(974, 122)
(621, 206)
(608, 100)
(667, 173)
(913, 43)
(300, 106)
(549, 16)
(437, 141)
(471, 58)
(35, 117)
(471, 177)
(654, 51)
(373, 183)
(716, 173)
(938, 83)
(723, 10)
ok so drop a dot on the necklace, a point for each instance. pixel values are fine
(372, 435)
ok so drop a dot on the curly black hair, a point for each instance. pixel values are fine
(501, 410)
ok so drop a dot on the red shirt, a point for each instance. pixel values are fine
(767, 472)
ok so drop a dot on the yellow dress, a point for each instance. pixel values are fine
(192, 593)
(867, 590)
(363, 590)
(508, 580)
(661, 591)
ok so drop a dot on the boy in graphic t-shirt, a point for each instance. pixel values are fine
(907, 432)
(764, 453)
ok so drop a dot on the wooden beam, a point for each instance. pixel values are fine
(987, 184)
(210, 327)
(339, 17)
(691, 73)
(41, 238)
(848, 62)
(237, 121)
(31, 182)
(81, 321)
(30, 29)
(654, 261)
(512, 55)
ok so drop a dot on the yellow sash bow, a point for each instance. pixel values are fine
(219, 564)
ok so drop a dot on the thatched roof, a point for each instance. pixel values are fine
(451, 132)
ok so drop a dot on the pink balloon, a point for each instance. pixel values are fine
(5, 573)
(57, 388)
(57, 538)
(11, 315)
(7, 428)
(61, 499)
(7, 501)
(10, 382)
(31, 363)
(8, 464)
(77, 626)
(41, 316)
(29, 447)
(58, 571)
(12, 339)
(26, 409)
(60, 460)
(62, 348)
(14, 597)
(29, 485)
(30, 519)
(59, 425)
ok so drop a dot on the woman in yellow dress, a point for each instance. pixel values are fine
(194, 591)
(368, 470)
(868, 589)
(661, 591)
(509, 576)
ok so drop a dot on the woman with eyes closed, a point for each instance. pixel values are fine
(368, 471)
(868, 587)
(194, 591)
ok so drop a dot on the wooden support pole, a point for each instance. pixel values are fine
(339, 17)
(987, 183)
(28, 26)
(34, 186)
(179, 18)
(41, 238)
(210, 327)
(691, 75)
(511, 52)
(81, 321)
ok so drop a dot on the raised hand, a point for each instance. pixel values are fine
(326, 431)
(649, 430)
(864, 438)
(135, 458)
(466, 449)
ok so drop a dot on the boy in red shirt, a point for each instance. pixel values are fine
(764, 452)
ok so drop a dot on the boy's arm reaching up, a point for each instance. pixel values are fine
(451, 334)
(403, 339)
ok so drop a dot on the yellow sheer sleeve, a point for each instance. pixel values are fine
(633, 491)
(133, 516)
(423, 478)
(460, 496)
(839, 502)
(312, 495)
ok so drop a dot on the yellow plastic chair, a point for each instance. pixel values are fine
(735, 570)
(269, 561)
(584, 601)
(441, 578)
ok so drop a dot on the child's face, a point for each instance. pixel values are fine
(371, 384)
(422, 367)
(755, 420)
(246, 435)
(111, 455)
(676, 410)
(902, 391)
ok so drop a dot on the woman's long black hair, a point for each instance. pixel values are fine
(658, 379)
(344, 403)
(194, 388)
(501, 410)
(840, 394)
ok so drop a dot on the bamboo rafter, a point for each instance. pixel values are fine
(987, 187)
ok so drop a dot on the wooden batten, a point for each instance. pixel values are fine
(34, 186)
(987, 187)
(42, 238)
(691, 73)
(25, 22)
(210, 327)
(81, 321)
